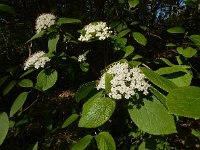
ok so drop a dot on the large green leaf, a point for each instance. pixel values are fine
(25, 83)
(195, 39)
(176, 29)
(46, 79)
(52, 42)
(84, 90)
(189, 52)
(128, 50)
(6, 8)
(4, 126)
(184, 101)
(133, 3)
(140, 38)
(152, 117)
(96, 112)
(67, 20)
(177, 74)
(158, 80)
(82, 143)
(9, 87)
(18, 103)
(105, 141)
(70, 120)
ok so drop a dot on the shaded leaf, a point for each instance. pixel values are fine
(67, 20)
(18, 103)
(52, 43)
(70, 120)
(9, 87)
(3, 79)
(46, 79)
(25, 83)
(82, 143)
(195, 39)
(37, 35)
(4, 126)
(7, 9)
(105, 141)
(176, 29)
(140, 38)
(123, 32)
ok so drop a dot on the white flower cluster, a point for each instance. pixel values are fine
(81, 58)
(125, 82)
(97, 30)
(44, 21)
(37, 60)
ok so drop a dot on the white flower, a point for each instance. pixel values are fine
(126, 81)
(97, 30)
(37, 60)
(81, 58)
(44, 21)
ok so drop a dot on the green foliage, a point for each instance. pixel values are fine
(70, 120)
(184, 101)
(52, 42)
(84, 90)
(152, 117)
(4, 126)
(105, 141)
(195, 39)
(67, 20)
(160, 81)
(82, 143)
(7, 9)
(96, 111)
(9, 87)
(140, 38)
(25, 83)
(18, 103)
(176, 29)
(133, 3)
(46, 79)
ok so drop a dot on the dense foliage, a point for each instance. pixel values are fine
(99, 74)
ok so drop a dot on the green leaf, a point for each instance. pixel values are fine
(166, 61)
(137, 57)
(82, 143)
(9, 87)
(184, 101)
(108, 78)
(3, 79)
(152, 117)
(189, 52)
(96, 112)
(84, 90)
(18, 103)
(158, 80)
(46, 79)
(7, 9)
(140, 38)
(176, 29)
(123, 32)
(67, 20)
(70, 120)
(37, 35)
(159, 96)
(196, 133)
(84, 67)
(35, 147)
(195, 39)
(177, 74)
(52, 42)
(105, 141)
(25, 83)
(4, 126)
(129, 50)
(27, 73)
(133, 3)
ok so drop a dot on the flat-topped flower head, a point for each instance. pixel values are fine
(95, 30)
(81, 58)
(44, 21)
(126, 81)
(37, 60)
